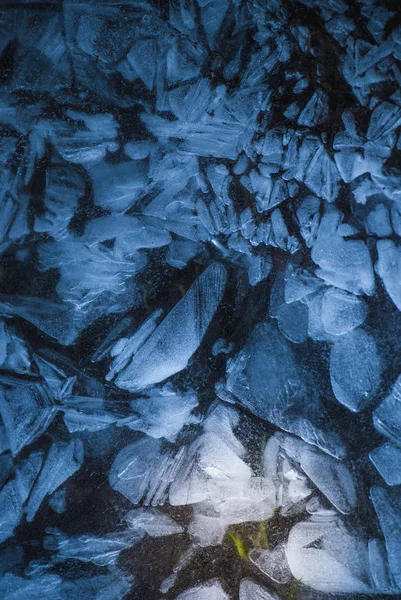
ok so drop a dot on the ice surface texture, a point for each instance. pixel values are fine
(200, 295)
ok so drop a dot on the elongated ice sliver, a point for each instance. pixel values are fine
(179, 335)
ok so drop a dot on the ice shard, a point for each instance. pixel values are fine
(179, 335)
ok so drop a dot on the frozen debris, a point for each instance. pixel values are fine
(127, 233)
(272, 563)
(388, 267)
(327, 558)
(379, 567)
(64, 187)
(181, 252)
(153, 522)
(248, 590)
(116, 187)
(90, 269)
(179, 335)
(388, 510)
(26, 411)
(222, 347)
(63, 460)
(15, 493)
(15, 355)
(331, 477)
(113, 586)
(84, 139)
(345, 264)
(387, 460)
(342, 312)
(56, 320)
(316, 110)
(355, 369)
(124, 349)
(58, 500)
(308, 215)
(292, 321)
(387, 416)
(210, 590)
(267, 357)
(163, 413)
(13, 587)
(100, 550)
(142, 471)
(378, 221)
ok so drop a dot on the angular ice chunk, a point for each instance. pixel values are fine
(387, 416)
(55, 319)
(116, 187)
(342, 312)
(88, 140)
(208, 458)
(13, 587)
(292, 321)
(63, 460)
(387, 460)
(113, 586)
(129, 234)
(153, 522)
(142, 471)
(388, 510)
(14, 352)
(179, 335)
(180, 252)
(343, 263)
(379, 568)
(378, 221)
(210, 590)
(26, 410)
(355, 369)
(272, 563)
(389, 268)
(325, 557)
(64, 187)
(309, 218)
(15, 493)
(329, 475)
(264, 377)
(100, 550)
(316, 110)
(125, 348)
(163, 414)
(248, 590)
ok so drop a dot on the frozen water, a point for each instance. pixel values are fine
(199, 199)
(184, 328)
(327, 558)
(387, 460)
(272, 563)
(211, 590)
(265, 378)
(163, 414)
(329, 475)
(388, 512)
(388, 267)
(343, 263)
(248, 590)
(99, 550)
(355, 369)
(387, 416)
(342, 312)
(61, 463)
(152, 522)
(26, 410)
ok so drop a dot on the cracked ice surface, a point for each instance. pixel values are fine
(200, 286)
